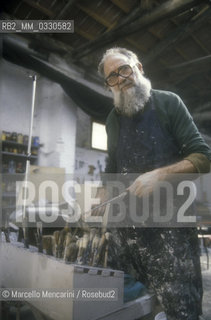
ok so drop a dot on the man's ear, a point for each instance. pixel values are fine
(139, 65)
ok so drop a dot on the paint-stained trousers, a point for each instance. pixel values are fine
(167, 260)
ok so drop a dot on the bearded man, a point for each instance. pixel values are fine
(151, 132)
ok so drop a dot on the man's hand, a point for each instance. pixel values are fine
(148, 181)
(145, 183)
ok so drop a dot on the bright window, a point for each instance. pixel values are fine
(99, 136)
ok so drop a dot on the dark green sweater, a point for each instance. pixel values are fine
(177, 121)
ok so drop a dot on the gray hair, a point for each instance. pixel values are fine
(116, 50)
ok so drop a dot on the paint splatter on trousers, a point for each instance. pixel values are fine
(168, 261)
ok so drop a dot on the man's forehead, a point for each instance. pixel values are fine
(113, 61)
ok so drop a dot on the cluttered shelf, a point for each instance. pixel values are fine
(18, 139)
(15, 151)
(17, 144)
(13, 154)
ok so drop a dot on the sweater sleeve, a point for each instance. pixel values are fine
(200, 162)
(191, 144)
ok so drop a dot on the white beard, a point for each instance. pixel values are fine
(133, 99)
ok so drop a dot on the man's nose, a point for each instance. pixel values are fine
(120, 79)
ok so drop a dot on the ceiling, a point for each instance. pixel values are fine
(172, 39)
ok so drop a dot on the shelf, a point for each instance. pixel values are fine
(12, 154)
(8, 195)
(13, 143)
(14, 157)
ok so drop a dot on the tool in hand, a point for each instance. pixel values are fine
(121, 195)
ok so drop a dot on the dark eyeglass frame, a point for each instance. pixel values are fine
(117, 74)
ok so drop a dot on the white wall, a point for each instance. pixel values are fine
(54, 119)
(89, 164)
(15, 98)
(56, 122)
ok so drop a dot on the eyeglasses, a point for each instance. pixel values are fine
(124, 71)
